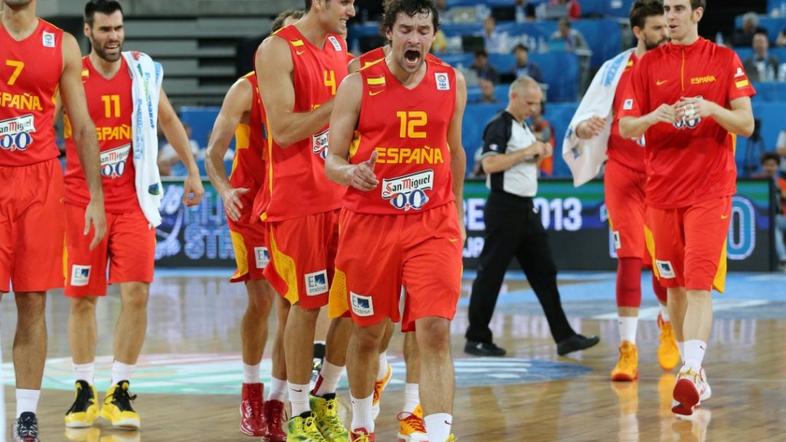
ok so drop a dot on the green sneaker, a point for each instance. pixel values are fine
(325, 410)
(303, 429)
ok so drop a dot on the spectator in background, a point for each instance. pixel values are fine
(761, 66)
(524, 66)
(545, 134)
(573, 8)
(781, 40)
(487, 93)
(167, 157)
(770, 163)
(572, 38)
(743, 38)
(483, 68)
(443, 11)
(495, 42)
(780, 149)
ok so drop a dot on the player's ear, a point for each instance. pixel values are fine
(86, 30)
(698, 13)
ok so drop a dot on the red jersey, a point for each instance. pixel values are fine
(691, 160)
(296, 183)
(248, 167)
(375, 55)
(30, 71)
(110, 105)
(408, 128)
(624, 150)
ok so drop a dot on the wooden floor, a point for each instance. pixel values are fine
(188, 379)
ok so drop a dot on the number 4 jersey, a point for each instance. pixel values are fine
(408, 129)
(27, 91)
(110, 105)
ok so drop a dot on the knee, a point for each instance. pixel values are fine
(83, 305)
(367, 339)
(433, 335)
(30, 306)
(259, 300)
(135, 297)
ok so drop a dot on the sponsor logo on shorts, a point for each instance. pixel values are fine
(16, 133)
(361, 305)
(80, 275)
(319, 144)
(443, 82)
(113, 161)
(316, 283)
(617, 240)
(665, 269)
(408, 192)
(48, 39)
(262, 256)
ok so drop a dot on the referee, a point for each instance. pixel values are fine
(513, 228)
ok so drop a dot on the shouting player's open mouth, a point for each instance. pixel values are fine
(412, 58)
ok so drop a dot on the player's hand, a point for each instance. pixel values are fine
(694, 107)
(95, 216)
(192, 190)
(665, 113)
(591, 127)
(363, 177)
(546, 150)
(232, 202)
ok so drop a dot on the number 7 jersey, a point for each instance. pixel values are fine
(408, 128)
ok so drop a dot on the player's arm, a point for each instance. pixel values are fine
(176, 135)
(458, 158)
(504, 161)
(84, 132)
(342, 129)
(274, 66)
(737, 120)
(354, 65)
(633, 122)
(237, 103)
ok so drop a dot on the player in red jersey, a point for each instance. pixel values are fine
(31, 208)
(624, 182)
(242, 114)
(689, 99)
(299, 70)
(109, 76)
(405, 177)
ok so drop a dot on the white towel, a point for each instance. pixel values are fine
(146, 77)
(586, 157)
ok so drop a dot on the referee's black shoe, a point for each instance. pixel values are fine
(483, 349)
(575, 343)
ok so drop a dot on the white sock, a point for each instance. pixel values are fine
(330, 374)
(664, 313)
(382, 371)
(694, 353)
(627, 325)
(411, 397)
(361, 413)
(277, 390)
(85, 372)
(121, 372)
(250, 374)
(26, 400)
(298, 397)
(438, 426)
(681, 347)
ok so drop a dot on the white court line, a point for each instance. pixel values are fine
(651, 313)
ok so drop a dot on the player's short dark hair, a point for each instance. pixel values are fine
(411, 8)
(103, 6)
(766, 156)
(643, 9)
(278, 22)
(698, 4)
(521, 46)
(309, 3)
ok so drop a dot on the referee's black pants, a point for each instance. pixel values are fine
(513, 229)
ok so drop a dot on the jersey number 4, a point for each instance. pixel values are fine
(18, 66)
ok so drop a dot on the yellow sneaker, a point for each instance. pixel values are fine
(668, 352)
(117, 407)
(411, 427)
(84, 410)
(325, 410)
(379, 387)
(627, 368)
(304, 429)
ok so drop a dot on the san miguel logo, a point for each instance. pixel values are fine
(409, 191)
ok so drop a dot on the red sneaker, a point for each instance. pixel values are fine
(252, 419)
(361, 435)
(274, 416)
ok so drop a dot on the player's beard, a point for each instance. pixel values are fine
(650, 45)
(104, 55)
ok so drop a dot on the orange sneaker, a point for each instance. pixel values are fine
(361, 435)
(379, 387)
(411, 427)
(627, 368)
(668, 352)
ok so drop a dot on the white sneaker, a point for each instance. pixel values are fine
(690, 389)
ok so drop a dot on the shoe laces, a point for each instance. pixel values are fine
(81, 398)
(27, 425)
(310, 428)
(626, 355)
(122, 398)
(362, 437)
(412, 420)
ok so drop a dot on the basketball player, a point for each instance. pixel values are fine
(243, 114)
(625, 178)
(31, 208)
(109, 75)
(299, 70)
(405, 179)
(690, 99)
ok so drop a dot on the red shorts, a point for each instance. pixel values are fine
(378, 254)
(690, 244)
(31, 227)
(249, 240)
(129, 247)
(302, 258)
(624, 188)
